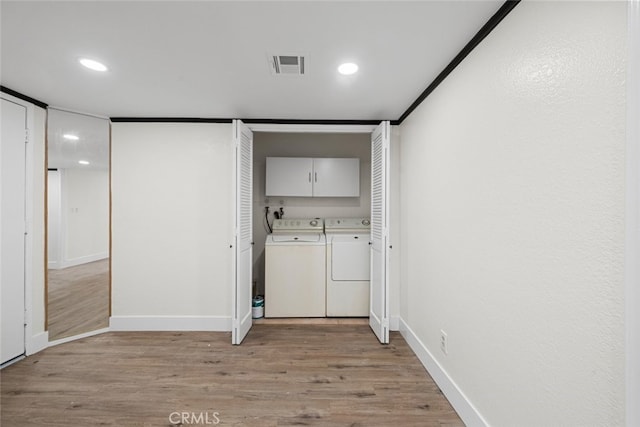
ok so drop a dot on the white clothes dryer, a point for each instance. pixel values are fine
(348, 266)
(295, 284)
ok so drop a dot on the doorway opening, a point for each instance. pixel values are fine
(284, 140)
(304, 145)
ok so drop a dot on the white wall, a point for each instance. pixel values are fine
(79, 206)
(513, 200)
(86, 202)
(395, 229)
(39, 338)
(275, 144)
(172, 217)
(54, 218)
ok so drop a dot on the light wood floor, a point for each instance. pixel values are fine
(317, 375)
(78, 299)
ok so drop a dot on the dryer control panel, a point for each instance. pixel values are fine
(344, 224)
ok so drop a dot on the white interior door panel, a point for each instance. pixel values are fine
(12, 229)
(379, 291)
(243, 138)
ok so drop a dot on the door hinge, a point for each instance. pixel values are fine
(26, 136)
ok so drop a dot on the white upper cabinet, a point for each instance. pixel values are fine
(336, 177)
(289, 176)
(312, 177)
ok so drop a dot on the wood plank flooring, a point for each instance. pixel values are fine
(282, 375)
(312, 321)
(78, 299)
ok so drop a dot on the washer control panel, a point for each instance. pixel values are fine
(298, 224)
(342, 224)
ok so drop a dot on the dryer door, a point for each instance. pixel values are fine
(350, 258)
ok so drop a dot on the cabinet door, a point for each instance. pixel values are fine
(336, 177)
(289, 176)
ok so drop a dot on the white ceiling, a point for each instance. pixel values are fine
(209, 58)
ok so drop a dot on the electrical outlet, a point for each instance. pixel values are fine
(443, 342)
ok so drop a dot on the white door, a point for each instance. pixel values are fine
(243, 139)
(379, 292)
(12, 229)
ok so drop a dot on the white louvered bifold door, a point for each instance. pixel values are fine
(379, 293)
(243, 139)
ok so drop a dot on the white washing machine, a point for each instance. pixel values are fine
(295, 284)
(348, 266)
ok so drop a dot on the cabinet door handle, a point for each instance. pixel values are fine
(316, 176)
(309, 176)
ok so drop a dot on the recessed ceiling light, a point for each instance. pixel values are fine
(93, 65)
(70, 137)
(83, 162)
(348, 68)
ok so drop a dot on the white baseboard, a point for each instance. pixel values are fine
(465, 409)
(394, 323)
(54, 265)
(37, 343)
(79, 336)
(170, 323)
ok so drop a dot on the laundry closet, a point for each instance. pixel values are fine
(286, 152)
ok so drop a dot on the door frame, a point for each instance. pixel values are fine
(30, 345)
(632, 218)
(289, 128)
(313, 128)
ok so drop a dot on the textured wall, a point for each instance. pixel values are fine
(513, 181)
(172, 219)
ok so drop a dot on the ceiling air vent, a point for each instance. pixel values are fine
(287, 64)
